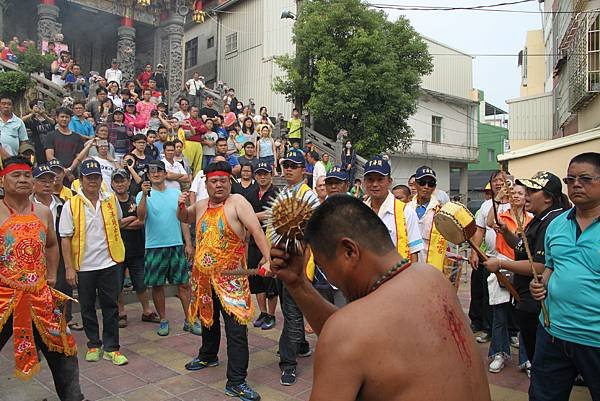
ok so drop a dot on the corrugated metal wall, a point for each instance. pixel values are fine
(530, 118)
(452, 71)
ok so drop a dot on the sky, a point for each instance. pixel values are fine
(475, 32)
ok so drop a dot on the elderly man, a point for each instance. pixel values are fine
(336, 181)
(12, 129)
(387, 290)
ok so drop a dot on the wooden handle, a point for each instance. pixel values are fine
(243, 272)
(501, 277)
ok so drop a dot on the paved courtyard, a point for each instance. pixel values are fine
(156, 368)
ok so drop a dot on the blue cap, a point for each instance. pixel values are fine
(338, 173)
(129, 102)
(294, 156)
(263, 167)
(55, 163)
(379, 166)
(89, 167)
(42, 169)
(424, 171)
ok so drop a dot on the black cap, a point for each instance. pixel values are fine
(158, 163)
(543, 180)
(42, 169)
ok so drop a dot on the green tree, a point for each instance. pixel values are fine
(356, 70)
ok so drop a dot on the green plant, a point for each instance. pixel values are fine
(32, 60)
(14, 83)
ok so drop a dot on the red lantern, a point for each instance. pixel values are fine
(198, 15)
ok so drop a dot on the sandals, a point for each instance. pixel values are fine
(122, 321)
(151, 317)
(76, 326)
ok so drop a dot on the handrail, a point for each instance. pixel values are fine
(45, 86)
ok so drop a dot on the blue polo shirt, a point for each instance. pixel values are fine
(84, 128)
(12, 132)
(574, 288)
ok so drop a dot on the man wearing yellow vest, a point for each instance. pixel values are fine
(426, 205)
(93, 249)
(292, 342)
(401, 220)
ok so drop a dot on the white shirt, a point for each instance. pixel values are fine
(194, 86)
(113, 75)
(199, 186)
(54, 204)
(182, 115)
(116, 100)
(318, 171)
(107, 169)
(95, 252)
(425, 223)
(481, 221)
(175, 168)
(387, 215)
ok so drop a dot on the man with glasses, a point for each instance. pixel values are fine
(426, 205)
(570, 286)
(402, 221)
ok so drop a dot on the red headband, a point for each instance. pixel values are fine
(15, 167)
(217, 174)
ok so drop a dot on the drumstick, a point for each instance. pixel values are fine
(501, 277)
(494, 207)
(521, 232)
(261, 271)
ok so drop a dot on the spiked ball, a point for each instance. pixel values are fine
(287, 217)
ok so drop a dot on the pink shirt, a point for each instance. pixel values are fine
(144, 109)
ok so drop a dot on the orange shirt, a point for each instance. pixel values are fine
(508, 219)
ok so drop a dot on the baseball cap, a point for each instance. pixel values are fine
(158, 163)
(55, 163)
(89, 167)
(338, 173)
(26, 146)
(543, 180)
(121, 173)
(42, 169)
(424, 171)
(119, 110)
(377, 165)
(159, 65)
(129, 102)
(263, 167)
(294, 156)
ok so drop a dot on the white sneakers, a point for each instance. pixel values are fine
(497, 364)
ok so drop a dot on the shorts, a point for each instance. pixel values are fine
(259, 285)
(135, 265)
(164, 265)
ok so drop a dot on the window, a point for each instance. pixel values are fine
(191, 53)
(436, 129)
(231, 43)
(210, 42)
(491, 155)
(593, 54)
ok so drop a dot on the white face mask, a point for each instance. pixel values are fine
(277, 143)
(348, 145)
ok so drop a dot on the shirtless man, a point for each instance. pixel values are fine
(222, 222)
(388, 321)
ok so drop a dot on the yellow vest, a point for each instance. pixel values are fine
(436, 252)
(116, 248)
(401, 232)
(310, 265)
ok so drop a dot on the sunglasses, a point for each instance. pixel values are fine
(427, 182)
(583, 179)
(291, 165)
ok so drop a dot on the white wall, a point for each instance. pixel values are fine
(452, 70)
(207, 58)
(454, 121)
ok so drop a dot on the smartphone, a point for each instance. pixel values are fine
(40, 104)
(101, 142)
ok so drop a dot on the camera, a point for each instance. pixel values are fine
(130, 162)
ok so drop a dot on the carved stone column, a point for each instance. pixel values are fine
(172, 49)
(48, 28)
(2, 9)
(126, 51)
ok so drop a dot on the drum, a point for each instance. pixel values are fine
(455, 222)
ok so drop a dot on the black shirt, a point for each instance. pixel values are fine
(209, 112)
(249, 192)
(133, 239)
(535, 233)
(39, 133)
(261, 201)
(66, 147)
(140, 168)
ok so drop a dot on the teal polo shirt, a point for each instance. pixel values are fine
(12, 132)
(84, 128)
(574, 288)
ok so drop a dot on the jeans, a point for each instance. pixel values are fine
(65, 369)
(557, 362)
(522, 351)
(292, 337)
(106, 284)
(196, 100)
(237, 344)
(528, 322)
(500, 343)
(480, 311)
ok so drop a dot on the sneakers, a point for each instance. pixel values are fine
(163, 329)
(483, 337)
(514, 342)
(197, 364)
(305, 353)
(268, 322)
(497, 364)
(93, 355)
(243, 391)
(288, 377)
(526, 367)
(116, 357)
(261, 318)
(195, 328)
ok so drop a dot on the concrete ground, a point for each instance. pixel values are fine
(156, 368)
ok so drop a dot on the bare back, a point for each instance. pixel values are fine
(408, 340)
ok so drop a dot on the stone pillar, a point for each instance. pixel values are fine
(48, 28)
(463, 188)
(126, 51)
(172, 50)
(2, 9)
